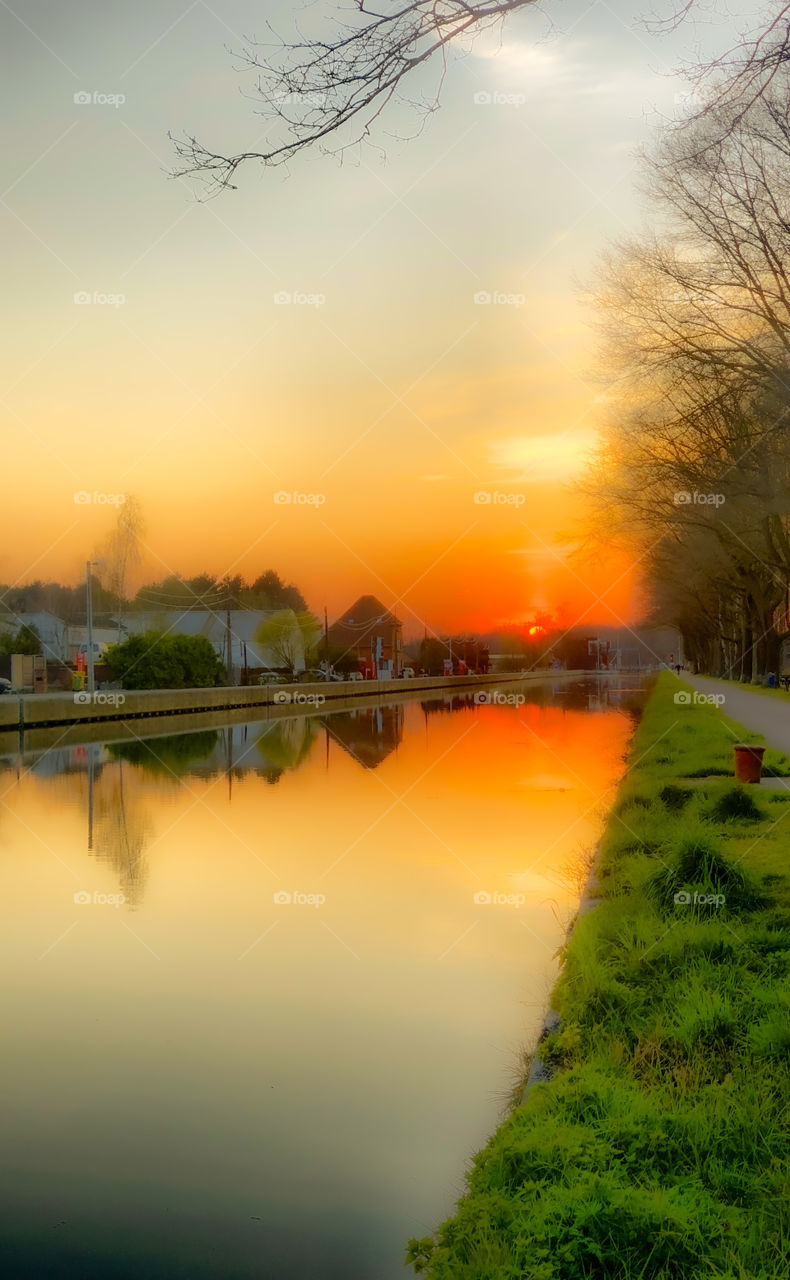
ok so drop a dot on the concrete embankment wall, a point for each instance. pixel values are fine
(32, 711)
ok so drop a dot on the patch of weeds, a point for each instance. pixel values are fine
(770, 1038)
(736, 804)
(700, 868)
(674, 797)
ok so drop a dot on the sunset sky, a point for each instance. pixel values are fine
(394, 396)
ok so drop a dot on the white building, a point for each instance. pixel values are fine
(53, 632)
(244, 649)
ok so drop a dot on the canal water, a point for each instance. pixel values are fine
(266, 984)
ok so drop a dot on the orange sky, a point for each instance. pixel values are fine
(434, 346)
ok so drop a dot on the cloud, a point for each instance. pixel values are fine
(572, 67)
(538, 459)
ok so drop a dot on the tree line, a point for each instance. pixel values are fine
(694, 475)
(203, 591)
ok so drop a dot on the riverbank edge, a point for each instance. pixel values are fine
(42, 710)
(504, 1226)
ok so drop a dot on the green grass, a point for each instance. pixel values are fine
(658, 1150)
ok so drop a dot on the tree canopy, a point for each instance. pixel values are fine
(157, 661)
(695, 472)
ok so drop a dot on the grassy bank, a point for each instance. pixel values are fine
(659, 1148)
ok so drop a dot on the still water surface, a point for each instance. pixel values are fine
(276, 1055)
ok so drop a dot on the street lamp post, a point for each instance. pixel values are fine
(89, 676)
(88, 658)
(90, 680)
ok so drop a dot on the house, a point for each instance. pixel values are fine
(238, 626)
(373, 635)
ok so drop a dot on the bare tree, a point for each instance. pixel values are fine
(741, 76)
(314, 87)
(696, 470)
(327, 88)
(120, 551)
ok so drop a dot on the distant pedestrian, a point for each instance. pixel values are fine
(678, 668)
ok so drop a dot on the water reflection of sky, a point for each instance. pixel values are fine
(210, 1082)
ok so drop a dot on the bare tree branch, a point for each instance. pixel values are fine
(314, 88)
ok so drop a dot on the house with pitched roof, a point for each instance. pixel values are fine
(374, 636)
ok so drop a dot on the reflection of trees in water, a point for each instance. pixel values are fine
(369, 734)
(451, 702)
(167, 755)
(285, 744)
(584, 694)
(121, 827)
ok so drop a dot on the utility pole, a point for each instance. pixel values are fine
(229, 642)
(326, 644)
(89, 676)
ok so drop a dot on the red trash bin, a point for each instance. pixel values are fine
(748, 762)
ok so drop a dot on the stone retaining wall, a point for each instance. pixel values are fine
(39, 710)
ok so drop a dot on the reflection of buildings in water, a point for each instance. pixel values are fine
(605, 693)
(450, 702)
(369, 734)
(118, 829)
(539, 695)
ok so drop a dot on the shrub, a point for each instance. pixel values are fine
(736, 804)
(156, 661)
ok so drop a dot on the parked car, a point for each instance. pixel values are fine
(355, 675)
(408, 673)
(5, 685)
